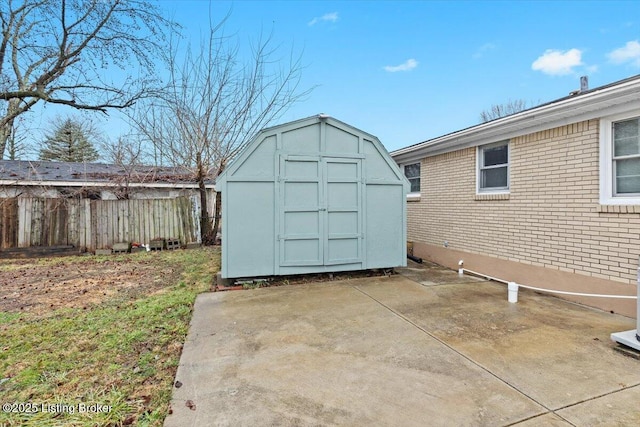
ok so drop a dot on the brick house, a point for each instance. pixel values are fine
(546, 197)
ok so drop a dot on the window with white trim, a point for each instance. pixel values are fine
(626, 157)
(620, 160)
(412, 172)
(493, 168)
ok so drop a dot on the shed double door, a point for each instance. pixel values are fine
(320, 210)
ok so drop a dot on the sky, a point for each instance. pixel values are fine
(409, 71)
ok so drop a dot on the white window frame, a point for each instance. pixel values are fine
(413, 195)
(479, 168)
(607, 179)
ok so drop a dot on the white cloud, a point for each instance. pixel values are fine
(557, 62)
(327, 17)
(592, 69)
(407, 65)
(483, 49)
(629, 53)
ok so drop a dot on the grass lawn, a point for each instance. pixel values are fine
(86, 330)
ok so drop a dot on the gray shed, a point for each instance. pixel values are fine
(314, 195)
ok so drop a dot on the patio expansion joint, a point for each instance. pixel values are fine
(629, 387)
(479, 365)
(555, 411)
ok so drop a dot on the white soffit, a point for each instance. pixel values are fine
(603, 102)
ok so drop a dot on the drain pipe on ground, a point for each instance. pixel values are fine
(629, 338)
(514, 287)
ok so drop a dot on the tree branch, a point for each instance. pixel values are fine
(60, 52)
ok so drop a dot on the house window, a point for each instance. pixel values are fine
(412, 172)
(626, 157)
(620, 160)
(493, 167)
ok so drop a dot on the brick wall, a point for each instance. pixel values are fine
(551, 218)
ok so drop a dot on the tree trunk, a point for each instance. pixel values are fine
(207, 236)
(218, 206)
(5, 136)
(216, 215)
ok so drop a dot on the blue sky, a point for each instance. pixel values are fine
(408, 71)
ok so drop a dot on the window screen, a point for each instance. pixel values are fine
(626, 156)
(494, 167)
(412, 172)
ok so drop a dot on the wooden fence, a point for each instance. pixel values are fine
(96, 224)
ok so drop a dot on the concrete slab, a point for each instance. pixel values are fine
(390, 351)
(558, 353)
(616, 409)
(329, 355)
(547, 420)
(429, 274)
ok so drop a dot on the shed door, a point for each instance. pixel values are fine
(301, 222)
(344, 209)
(320, 211)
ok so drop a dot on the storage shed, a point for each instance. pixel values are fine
(314, 195)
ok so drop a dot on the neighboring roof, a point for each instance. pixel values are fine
(609, 99)
(65, 174)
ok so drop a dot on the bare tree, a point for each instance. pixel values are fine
(214, 103)
(501, 110)
(60, 52)
(126, 151)
(16, 143)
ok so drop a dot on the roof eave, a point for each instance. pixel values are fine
(598, 103)
(31, 183)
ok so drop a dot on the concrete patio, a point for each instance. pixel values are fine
(425, 347)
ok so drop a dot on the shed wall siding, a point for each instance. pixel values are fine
(312, 196)
(252, 246)
(551, 218)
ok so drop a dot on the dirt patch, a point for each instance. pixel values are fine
(73, 282)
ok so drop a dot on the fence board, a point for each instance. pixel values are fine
(93, 219)
(24, 224)
(36, 222)
(8, 223)
(95, 224)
